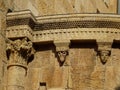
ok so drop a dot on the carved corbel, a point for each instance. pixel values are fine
(104, 51)
(62, 48)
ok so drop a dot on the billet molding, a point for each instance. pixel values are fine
(59, 34)
(19, 32)
(76, 34)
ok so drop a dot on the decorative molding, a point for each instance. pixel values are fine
(104, 50)
(19, 32)
(77, 24)
(23, 21)
(59, 34)
(63, 21)
(71, 27)
(62, 50)
(63, 25)
(19, 52)
(76, 34)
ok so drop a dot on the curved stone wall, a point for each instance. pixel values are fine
(72, 52)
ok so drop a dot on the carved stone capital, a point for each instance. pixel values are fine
(62, 45)
(104, 51)
(62, 48)
(19, 51)
(104, 45)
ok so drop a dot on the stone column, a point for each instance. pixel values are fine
(18, 52)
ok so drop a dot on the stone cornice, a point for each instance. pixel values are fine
(21, 18)
(76, 34)
(20, 15)
(63, 21)
(72, 27)
(74, 17)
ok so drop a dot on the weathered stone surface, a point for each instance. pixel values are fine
(47, 51)
(75, 6)
(3, 59)
(18, 53)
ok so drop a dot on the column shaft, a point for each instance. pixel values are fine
(16, 78)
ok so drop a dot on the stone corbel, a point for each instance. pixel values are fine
(20, 53)
(104, 50)
(62, 50)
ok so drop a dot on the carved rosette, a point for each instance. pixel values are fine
(19, 51)
(104, 51)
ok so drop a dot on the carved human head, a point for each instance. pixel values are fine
(104, 55)
(62, 55)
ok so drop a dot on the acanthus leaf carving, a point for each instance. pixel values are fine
(19, 51)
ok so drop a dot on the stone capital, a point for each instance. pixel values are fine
(102, 45)
(19, 51)
(62, 45)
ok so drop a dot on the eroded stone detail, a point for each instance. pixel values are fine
(104, 50)
(19, 31)
(19, 51)
(62, 56)
(62, 48)
(104, 55)
(77, 24)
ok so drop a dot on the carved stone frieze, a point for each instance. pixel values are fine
(72, 27)
(23, 18)
(62, 21)
(19, 51)
(77, 24)
(19, 32)
(75, 34)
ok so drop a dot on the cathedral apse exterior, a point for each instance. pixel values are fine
(59, 45)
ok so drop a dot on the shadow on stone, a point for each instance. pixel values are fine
(117, 88)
